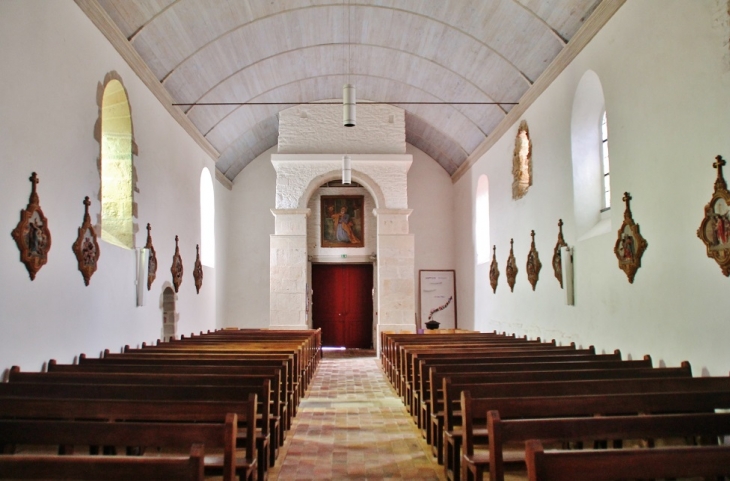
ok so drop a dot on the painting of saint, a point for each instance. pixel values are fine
(627, 248)
(342, 221)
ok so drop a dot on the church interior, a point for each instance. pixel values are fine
(178, 167)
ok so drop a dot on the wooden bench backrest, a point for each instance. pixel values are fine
(502, 432)
(110, 468)
(610, 465)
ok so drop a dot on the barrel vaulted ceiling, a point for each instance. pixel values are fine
(444, 51)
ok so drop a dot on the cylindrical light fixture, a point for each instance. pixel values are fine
(348, 105)
(346, 170)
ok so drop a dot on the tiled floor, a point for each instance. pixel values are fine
(352, 425)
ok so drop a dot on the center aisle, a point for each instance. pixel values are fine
(352, 425)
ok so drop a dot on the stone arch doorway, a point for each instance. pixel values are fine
(169, 314)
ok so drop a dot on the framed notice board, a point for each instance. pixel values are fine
(437, 298)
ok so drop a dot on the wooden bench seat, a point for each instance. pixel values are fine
(110, 468)
(618, 464)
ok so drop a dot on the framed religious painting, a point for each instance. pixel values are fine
(177, 266)
(714, 229)
(494, 270)
(557, 254)
(86, 246)
(437, 299)
(151, 259)
(32, 234)
(630, 245)
(343, 220)
(198, 270)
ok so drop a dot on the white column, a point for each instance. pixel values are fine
(396, 272)
(288, 269)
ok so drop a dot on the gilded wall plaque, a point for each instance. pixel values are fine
(198, 270)
(151, 259)
(630, 245)
(511, 269)
(86, 246)
(177, 266)
(32, 234)
(558, 256)
(494, 270)
(714, 229)
(533, 265)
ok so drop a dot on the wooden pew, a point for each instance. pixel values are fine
(616, 428)
(70, 434)
(611, 465)
(115, 410)
(447, 418)
(515, 363)
(174, 379)
(110, 468)
(577, 405)
(134, 392)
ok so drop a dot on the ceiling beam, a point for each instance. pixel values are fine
(106, 25)
(585, 33)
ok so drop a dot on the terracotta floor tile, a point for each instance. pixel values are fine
(353, 426)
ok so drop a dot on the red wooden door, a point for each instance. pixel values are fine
(342, 304)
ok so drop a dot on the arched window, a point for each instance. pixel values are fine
(207, 219)
(604, 164)
(482, 220)
(116, 167)
(589, 141)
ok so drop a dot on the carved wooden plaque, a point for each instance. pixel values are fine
(31, 234)
(177, 266)
(714, 229)
(511, 270)
(494, 270)
(630, 245)
(86, 246)
(198, 270)
(151, 260)
(558, 256)
(533, 263)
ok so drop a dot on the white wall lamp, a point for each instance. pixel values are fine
(348, 105)
(346, 170)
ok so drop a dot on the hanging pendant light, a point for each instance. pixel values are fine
(348, 105)
(346, 170)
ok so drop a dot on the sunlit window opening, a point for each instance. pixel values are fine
(116, 167)
(207, 219)
(482, 220)
(606, 169)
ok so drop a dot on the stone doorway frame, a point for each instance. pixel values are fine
(384, 176)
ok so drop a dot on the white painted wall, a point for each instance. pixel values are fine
(53, 61)
(250, 225)
(664, 68)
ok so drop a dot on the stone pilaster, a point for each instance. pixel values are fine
(396, 274)
(288, 268)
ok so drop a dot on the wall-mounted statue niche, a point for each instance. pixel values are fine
(198, 270)
(494, 270)
(533, 263)
(177, 266)
(86, 247)
(31, 234)
(522, 162)
(714, 229)
(511, 269)
(557, 256)
(151, 259)
(630, 245)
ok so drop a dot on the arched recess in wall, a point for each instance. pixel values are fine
(116, 140)
(482, 220)
(207, 219)
(589, 107)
